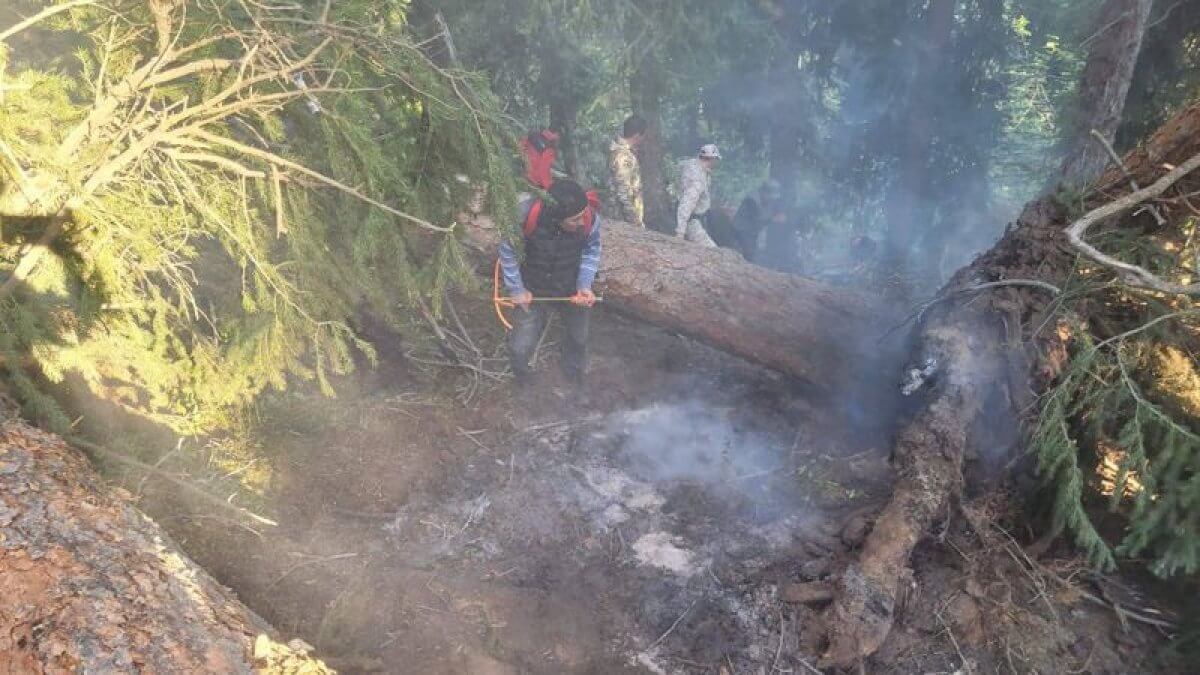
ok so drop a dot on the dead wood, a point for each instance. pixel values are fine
(980, 348)
(822, 335)
(89, 584)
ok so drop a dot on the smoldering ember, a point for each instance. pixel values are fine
(617, 336)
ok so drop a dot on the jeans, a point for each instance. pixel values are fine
(528, 327)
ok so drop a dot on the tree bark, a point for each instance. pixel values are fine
(824, 336)
(1104, 86)
(563, 114)
(645, 85)
(89, 584)
(985, 352)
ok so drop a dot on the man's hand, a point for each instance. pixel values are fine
(583, 298)
(522, 300)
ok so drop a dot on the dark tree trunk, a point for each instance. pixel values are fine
(645, 87)
(906, 212)
(563, 114)
(985, 352)
(824, 336)
(1107, 75)
(786, 129)
(89, 584)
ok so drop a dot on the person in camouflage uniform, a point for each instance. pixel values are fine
(625, 175)
(695, 195)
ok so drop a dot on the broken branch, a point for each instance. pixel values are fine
(1125, 170)
(129, 461)
(287, 164)
(42, 16)
(1133, 275)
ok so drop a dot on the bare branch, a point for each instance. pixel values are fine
(288, 164)
(1125, 170)
(42, 16)
(192, 68)
(1133, 275)
(223, 162)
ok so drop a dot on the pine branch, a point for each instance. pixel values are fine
(282, 163)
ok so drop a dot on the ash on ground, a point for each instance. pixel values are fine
(669, 516)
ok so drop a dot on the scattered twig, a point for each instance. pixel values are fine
(156, 465)
(1042, 570)
(474, 440)
(808, 666)
(547, 425)
(127, 460)
(461, 327)
(779, 647)
(954, 641)
(533, 360)
(673, 626)
(306, 563)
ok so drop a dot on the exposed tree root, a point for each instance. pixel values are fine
(982, 348)
(928, 456)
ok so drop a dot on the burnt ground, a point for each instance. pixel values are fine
(685, 518)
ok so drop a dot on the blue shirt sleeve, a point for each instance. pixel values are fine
(510, 269)
(589, 264)
(510, 265)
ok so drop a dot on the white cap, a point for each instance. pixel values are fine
(709, 151)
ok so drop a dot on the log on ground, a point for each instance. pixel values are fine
(822, 335)
(90, 584)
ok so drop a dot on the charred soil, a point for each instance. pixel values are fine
(689, 513)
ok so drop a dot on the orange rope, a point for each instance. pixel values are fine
(498, 301)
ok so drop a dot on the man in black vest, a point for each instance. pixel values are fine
(562, 254)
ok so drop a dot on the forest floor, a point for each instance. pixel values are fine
(685, 518)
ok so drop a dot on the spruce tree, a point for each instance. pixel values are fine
(199, 199)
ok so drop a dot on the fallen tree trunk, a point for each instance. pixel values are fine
(89, 584)
(822, 335)
(988, 365)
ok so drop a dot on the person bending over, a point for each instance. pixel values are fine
(562, 253)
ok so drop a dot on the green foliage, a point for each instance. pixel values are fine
(1100, 415)
(1043, 75)
(222, 258)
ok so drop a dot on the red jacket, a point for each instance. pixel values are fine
(539, 160)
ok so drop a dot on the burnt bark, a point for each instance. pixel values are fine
(89, 584)
(982, 346)
(1104, 86)
(823, 336)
